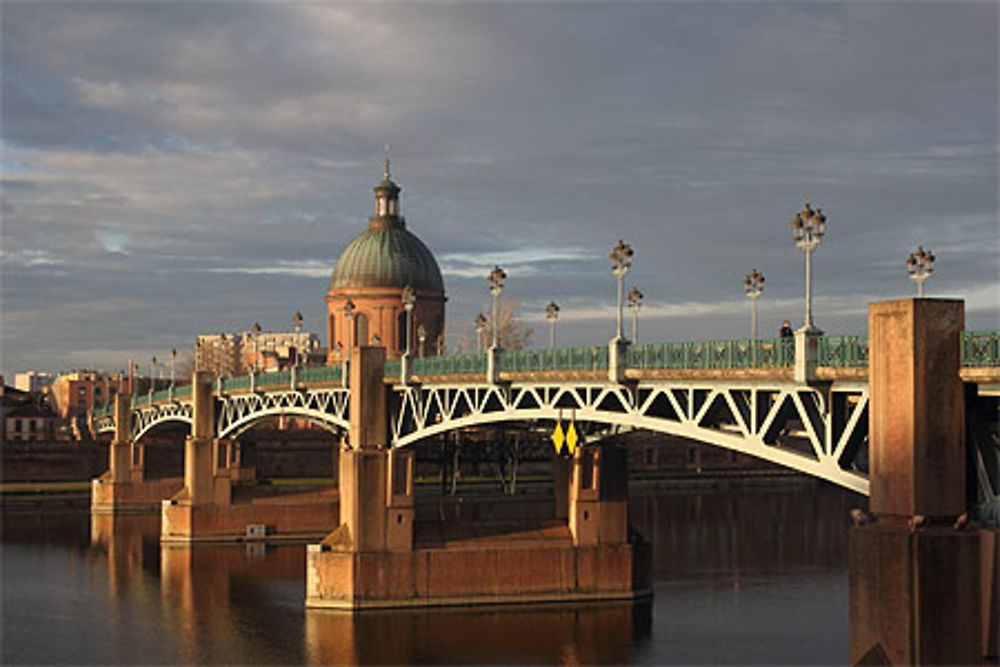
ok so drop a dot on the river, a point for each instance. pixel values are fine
(741, 575)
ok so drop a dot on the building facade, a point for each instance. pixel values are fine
(32, 381)
(372, 273)
(236, 354)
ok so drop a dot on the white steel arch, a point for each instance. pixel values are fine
(749, 418)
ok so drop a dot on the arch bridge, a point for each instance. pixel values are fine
(748, 396)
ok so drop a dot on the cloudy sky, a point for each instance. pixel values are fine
(183, 168)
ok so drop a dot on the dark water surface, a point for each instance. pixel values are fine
(741, 576)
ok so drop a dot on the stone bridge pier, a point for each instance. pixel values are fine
(203, 510)
(378, 558)
(124, 487)
(915, 587)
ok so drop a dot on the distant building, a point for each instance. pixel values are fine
(234, 354)
(29, 423)
(218, 353)
(77, 392)
(32, 381)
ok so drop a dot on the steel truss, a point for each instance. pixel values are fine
(817, 431)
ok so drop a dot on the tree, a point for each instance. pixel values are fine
(513, 334)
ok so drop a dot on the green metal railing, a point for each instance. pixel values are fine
(843, 351)
(318, 374)
(742, 353)
(981, 348)
(459, 364)
(558, 359)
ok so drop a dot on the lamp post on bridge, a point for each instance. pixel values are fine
(552, 314)
(753, 285)
(920, 265)
(634, 304)
(297, 321)
(808, 229)
(343, 369)
(152, 378)
(480, 324)
(409, 298)
(421, 339)
(173, 363)
(349, 318)
(496, 281)
(621, 260)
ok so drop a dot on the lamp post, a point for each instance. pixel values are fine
(480, 324)
(552, 314)
(297, 321)
(621, 260)
(753, 285)
(256, 335)
(409, 301)
(349, 319)
(152, 378)
(421, 338)
(808, 228)
(496, 281)
(343, 366)
(634, 303)
(920, 265)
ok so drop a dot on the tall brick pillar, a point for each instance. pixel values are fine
(598, 496)
(120, 454)
(914, 570)
(367, 558)
(199, 447)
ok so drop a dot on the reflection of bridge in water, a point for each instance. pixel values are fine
(809, 404)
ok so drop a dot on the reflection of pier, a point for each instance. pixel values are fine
(606, 633)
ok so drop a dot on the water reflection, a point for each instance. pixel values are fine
(739, 576)
(569, 635)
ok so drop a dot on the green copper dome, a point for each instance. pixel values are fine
(387, 256)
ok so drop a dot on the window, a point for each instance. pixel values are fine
(361, 329)
(17, 426)
(401, 332)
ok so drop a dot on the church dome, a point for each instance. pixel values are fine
(387, 254)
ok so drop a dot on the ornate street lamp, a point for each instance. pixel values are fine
(552, 314)
(152, 378)
(808, 228)
(621, 260)
(173, 362)
(421, 338)
(634, 299)
(409, 301)
(920, 265)
(753, 285)
(496, 281)
(256, 352)
(349, 319)
(480, 324)
(297, 321)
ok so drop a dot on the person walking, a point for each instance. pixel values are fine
(786, 330)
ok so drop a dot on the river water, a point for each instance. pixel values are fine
(744, 575)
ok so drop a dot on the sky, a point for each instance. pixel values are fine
(173, 169)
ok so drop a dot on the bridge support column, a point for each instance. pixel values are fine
(598, 496)
(806, 354)
(123, 489)
(914, 569)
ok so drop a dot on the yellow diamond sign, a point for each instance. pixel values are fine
(571, 437)
(558, 438)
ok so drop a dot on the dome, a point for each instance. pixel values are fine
(388, 256)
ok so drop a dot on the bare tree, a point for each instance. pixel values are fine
(513, 333)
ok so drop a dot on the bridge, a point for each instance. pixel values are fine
(740, 395)
(892, 422)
